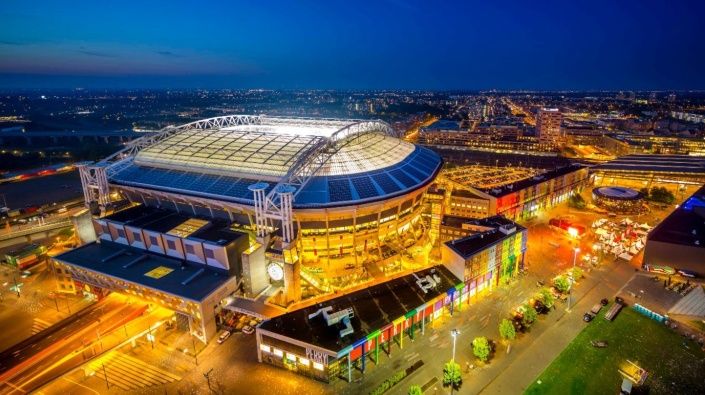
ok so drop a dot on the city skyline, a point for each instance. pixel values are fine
(391, 45)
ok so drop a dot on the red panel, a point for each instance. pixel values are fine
(355, 353)
(386, 334)
(429, 310)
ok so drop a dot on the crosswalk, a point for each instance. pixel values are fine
(128, 373)
(39, 325)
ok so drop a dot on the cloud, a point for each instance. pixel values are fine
(96, 53)
(4, 42)
(168, 54)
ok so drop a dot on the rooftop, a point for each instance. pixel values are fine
(531, 181)
(190, 280)
(685, 225)
(655, 164)
(471, 245)
(373, 307)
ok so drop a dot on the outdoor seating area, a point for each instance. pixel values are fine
(622, 239)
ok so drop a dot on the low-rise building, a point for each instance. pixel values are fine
(492, 250)
(679, 240)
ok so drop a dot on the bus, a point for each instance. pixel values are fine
(26, 257)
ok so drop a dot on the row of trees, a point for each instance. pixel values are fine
(658, 195)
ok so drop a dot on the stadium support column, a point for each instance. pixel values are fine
(292, 265)
(94, 181)
(259, 199)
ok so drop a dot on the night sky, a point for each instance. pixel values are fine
(390, 44)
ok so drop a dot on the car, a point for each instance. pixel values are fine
(248, 330)
(604, 301)
(587, 317)
(224, 335)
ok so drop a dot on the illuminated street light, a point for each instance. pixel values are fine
(576, 250)
(455, 334)
(573, 232)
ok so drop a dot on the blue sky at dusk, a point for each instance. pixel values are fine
(386, 44)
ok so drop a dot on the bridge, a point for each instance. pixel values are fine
(32, 233)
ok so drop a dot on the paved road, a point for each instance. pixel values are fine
(43, 357)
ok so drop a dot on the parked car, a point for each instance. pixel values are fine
(224, 336)
(248, 330)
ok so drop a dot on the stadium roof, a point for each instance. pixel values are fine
(342, 162)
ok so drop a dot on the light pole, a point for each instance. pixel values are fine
(455, 334)
(576, 250)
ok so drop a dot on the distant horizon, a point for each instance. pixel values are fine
(9, 83)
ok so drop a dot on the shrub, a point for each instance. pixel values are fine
(529, 316)
(562, 284)
(389, 383)
(481, 348)
(546, 297)
(451, 374)
(415, 390)
(506, 330)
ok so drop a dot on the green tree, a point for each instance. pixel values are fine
(546, 297)
(415, 390)
(577, 273)
(452, 375)
(481, 348)
(506, 330)
(562, 284)
(576, 201)
(529, 316)
(662, 195)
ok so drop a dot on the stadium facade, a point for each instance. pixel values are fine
(321, 205)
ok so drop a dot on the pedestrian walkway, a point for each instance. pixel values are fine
(39, 325)
(128, 373)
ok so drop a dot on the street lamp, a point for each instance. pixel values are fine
(576, 250)
(455, 334)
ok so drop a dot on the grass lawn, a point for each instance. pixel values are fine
(583, 369)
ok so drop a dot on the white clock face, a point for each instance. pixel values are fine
(275, 271)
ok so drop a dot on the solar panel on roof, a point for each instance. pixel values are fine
(339, 190)
(364, 187)
(386, 183)
(414, 173)
(404, 178)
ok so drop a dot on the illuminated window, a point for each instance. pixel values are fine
(291, 357)
(277, 352)
(265, 348)
(304, 361)
(317, 366)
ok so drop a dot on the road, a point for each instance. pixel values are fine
(53, 352)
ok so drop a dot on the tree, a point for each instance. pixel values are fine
(452, 375)
(529, 316)
(546, 297)
(562, 284)
(481, 348)
(577, 273)
(662, 195)
(506, 330)
(576, 201)
(415, 390)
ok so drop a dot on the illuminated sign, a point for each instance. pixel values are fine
(317, 356)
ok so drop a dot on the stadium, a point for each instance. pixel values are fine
(620, 200)
(327, 203)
